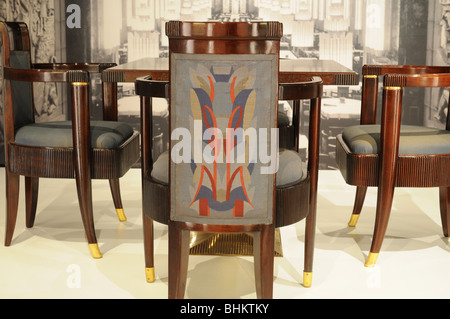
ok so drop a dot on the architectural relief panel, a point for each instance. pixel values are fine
(39, 15)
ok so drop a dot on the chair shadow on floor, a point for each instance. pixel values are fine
(410, 227)
(229, 277)
(51, 224)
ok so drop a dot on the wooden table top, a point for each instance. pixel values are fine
(331, 72)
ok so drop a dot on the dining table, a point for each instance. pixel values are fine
(299, 70)
(290, 71)
(331, 72)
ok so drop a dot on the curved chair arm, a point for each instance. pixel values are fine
(393, 85)
(109, 93)
(145, 86)
(312, 91)
(79, 81)
(395, 79)
(371, 74)
(301, 90)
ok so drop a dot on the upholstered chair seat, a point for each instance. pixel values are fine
(283, 118)
(414, 140)
(104, 134)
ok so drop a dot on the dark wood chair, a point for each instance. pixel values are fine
(389, 154)
(80, 148)
(295, 191)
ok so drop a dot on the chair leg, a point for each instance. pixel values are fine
(178, 260)
(383, 212)
(361, 192)
(310, 234)
(12, 203)
(82, 158)
(390, 139)
(444, 201)
(115, 191)
(84, 190)
(263, 251)
(31, 197)
(149, 249)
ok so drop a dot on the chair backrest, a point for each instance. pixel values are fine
(372, 74)
(16, 53)
(223, 109)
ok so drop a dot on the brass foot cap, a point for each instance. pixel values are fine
(150, 274)
(354, 220)
(371, 260)
(95, 251)
(121, 214)
(307, 279)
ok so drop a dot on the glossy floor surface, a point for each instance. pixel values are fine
(52, 260)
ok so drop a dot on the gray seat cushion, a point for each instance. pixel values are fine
(160, 172)
(104, 134)
(414, 140)
(283, 119)
(290, 168)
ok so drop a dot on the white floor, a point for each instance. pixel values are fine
(52, 260)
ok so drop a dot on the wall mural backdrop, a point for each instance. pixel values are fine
(351, 32)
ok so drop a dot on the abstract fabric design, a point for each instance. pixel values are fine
(222, 113)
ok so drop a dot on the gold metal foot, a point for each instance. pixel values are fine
(95, 251)
(371, 260)
(307, 279)
(150, 274)
(121, 215)
(354, 220)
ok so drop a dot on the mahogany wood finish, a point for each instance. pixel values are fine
(221, 38)
(389, 169)
(80, 162)
(293, 202)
